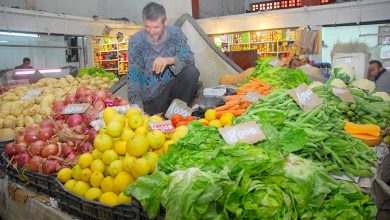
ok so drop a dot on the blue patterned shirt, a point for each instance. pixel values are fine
(144, 84)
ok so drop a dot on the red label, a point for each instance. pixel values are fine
(109, 103)
(164, 126)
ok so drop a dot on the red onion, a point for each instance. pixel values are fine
(31, 136)
(66, 149)
(102, 94)
(92, 134)
(50, 166)
(71, 98)
(33, 126)
(10, 149)
(98, 105)
(90, 115)
(123, 102)
(35, 163)
(49, 150)
(86, 147)
(22, 159)
(20, 147)
(47, 123)
(80, 129)
(80, 92)
(36, 148)
(75, 119)
(46, 133)
(86, 99)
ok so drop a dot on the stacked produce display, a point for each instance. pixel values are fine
(112, 155)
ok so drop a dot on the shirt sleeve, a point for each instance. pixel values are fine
(184, 56)
(134, 75)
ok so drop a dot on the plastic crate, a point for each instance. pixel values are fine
(74, 205)
(37, 182)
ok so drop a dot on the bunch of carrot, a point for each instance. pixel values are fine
(255, 85)
(233, 104)
(236, 104)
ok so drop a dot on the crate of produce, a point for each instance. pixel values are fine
(73, 204)
(35, 181)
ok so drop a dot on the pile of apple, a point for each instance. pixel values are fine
(125, 149)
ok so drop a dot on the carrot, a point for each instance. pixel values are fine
(227, 105)
(233, 97)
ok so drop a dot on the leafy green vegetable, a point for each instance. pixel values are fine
(96, 71)
(278, 77)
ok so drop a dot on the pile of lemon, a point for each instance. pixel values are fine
(125, 149)
(210, 118)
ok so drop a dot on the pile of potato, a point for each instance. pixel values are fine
(16, 113)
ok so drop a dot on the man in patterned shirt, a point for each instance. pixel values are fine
(161, 64)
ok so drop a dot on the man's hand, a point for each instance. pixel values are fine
(160, 63)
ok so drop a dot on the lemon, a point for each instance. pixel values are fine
(122, 180)
(166, 145)
(119, 118)
(64, 175)
(114, 129)
(215, 123)
(137, 145)
(152, 158)
(132, 111)
(128, 162)
(103, 142)
(123, 199)
(96, 179)
(155, 139)
(182, 129)
(76, 170)
(108, 184)
(97, 154)
(140, 167)
(204, 121)
(85, 174)
(108, 113)
(80, 188)
(85, 160)
(141, 131)
(135, 121)
(93, 194)
(179, 132)
(102, 130)
(109, 156)
(155, 118)
(126, 134)
(226, 119)
(120, 147)
(98, 166)
(210, 114)
(70, 184)
(115, 167)
(109, 198)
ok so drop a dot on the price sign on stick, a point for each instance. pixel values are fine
(344, 94)
(305, 98)
(178, 107)
(248, 132)
(31, 94)
(76, 108)
(164, 126)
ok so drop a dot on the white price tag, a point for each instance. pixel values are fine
(305, 98)
(248, 132)
(178, 107)
(344, 94)
(31, 94)
(76, 108)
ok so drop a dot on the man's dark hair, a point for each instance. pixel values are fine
(26, 59)
(377, 62)
(153, 11)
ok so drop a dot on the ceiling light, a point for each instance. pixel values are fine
(18, 34)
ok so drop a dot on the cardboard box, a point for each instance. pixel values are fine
(359, 61)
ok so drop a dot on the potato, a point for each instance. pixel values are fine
(17, 112)
(47, 100)
(1, 122)
(11, 117)
(4, 113)
(106, 79)
(6, 106)
(9, 123)
(69, 78)
(18, 129)
(86, 76)
(10, 98)
(115, 80)
(28, 120)
(45, 111)
(20, 122)
(38, 118)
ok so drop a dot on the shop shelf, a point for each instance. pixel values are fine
(37, 182)
(85, 209)
(108, 60)
(106, 51)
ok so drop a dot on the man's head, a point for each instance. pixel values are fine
(26, 61)
(375, 67)
(154, 20)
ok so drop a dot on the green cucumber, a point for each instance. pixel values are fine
(357, 92)
(373, 98)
